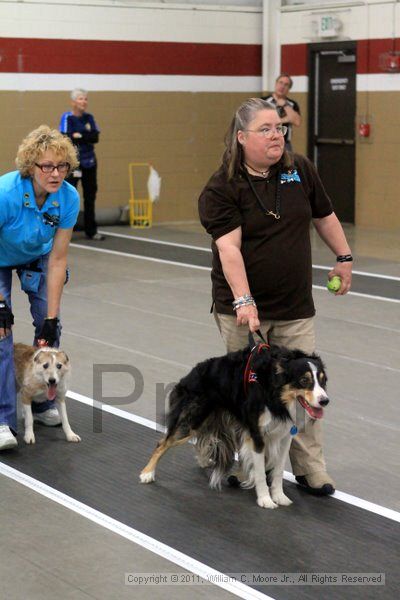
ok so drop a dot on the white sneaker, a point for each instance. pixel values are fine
(49, 417)
(7, 439)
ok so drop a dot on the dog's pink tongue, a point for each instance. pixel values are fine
(51, 391)
(316, 412)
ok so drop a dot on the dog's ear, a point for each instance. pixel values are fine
(279, 367)
(36, 358)
(263, 363)
(64, 356)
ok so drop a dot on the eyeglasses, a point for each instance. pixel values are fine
(62, 168)
(269, 132)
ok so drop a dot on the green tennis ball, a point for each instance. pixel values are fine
(334, 284)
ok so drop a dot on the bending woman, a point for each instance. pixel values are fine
(38, 211)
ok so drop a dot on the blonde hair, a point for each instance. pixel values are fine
(37, 142)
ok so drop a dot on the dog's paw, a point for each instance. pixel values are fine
(266, 502)
(204, 462)
(73, 437)
(147, 477)
(281, 499)
(29, 437)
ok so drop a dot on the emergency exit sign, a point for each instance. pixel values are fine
(328, 26)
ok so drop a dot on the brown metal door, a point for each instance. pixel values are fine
(332, 121)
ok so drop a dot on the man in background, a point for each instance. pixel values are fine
(288, 109)
(82, 129)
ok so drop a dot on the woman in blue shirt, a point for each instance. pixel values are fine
(38, 211)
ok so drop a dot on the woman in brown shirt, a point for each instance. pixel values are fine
(258, 208)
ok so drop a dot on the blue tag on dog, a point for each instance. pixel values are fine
(290, 177)
(293, 430)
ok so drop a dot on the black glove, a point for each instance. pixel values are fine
(6, 316)
(49, 332)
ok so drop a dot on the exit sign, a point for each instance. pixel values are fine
(328, 26)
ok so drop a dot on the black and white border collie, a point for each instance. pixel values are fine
(252, 400)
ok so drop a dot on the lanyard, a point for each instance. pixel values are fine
(276, 214)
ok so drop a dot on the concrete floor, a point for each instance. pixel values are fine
(155, 316)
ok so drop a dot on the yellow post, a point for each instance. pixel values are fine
(140, 209)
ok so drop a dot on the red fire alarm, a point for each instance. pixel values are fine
(364, 130)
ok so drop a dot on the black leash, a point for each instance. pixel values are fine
(249, 376)
(252, 341)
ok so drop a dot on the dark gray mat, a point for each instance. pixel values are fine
(362, 284)
(225, 530)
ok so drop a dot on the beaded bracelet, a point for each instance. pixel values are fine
(246, 300)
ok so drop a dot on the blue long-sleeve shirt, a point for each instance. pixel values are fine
(87, 127)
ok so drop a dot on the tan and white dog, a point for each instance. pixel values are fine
(41, 375)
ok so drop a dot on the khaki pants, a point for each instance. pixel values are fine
(306, 454)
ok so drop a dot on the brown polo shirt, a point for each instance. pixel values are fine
(276, 253)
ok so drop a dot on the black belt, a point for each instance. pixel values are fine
(32, 266)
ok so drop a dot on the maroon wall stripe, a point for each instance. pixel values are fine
(27, 55)
(369, 51)
(294, 56)
(294, 59)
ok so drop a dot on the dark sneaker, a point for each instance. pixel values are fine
(319, 484)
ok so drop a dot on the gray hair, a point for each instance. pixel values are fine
(78, 92)
(233, 155)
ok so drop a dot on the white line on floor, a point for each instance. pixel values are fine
(368, 296)
(363, 273)
(358, 361)
(154, 241)
(187, 265)
(362, 323)
(359, 502)
(133, 535)
(113, 410)
(348, 498)
(128, 254)
(202, 249)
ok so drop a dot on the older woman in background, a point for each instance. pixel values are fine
(258, 208)
(38, 211)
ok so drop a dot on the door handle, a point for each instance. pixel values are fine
(334, 141)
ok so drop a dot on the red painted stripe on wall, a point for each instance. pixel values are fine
(294, 56)
(24, 55)
(369, 51)
(294, 59)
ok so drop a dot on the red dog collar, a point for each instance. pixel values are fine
(250, 376)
